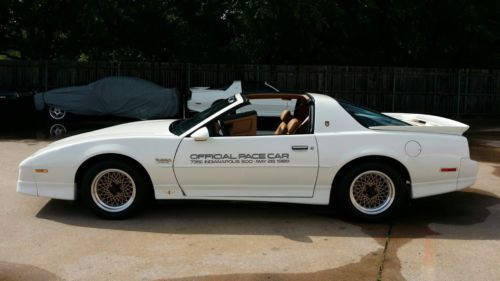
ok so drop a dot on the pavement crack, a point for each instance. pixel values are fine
(386, 246)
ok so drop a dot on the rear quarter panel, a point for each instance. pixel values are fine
(341, 139)
(438, 151)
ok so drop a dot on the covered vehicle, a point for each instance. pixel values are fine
(117, 96)
(323, 152)
(8, 95)
(16, 103)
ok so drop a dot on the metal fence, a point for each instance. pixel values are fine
(449, 92)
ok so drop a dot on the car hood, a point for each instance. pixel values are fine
(152, 128)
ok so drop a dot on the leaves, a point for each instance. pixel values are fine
(363, 32)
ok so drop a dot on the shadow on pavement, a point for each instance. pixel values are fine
(300, 223)
(18, 271)
(296, 222)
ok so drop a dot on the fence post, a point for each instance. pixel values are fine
(325, 77)
(187, 68)
(46, 76)
(393, 89)
(96, 71)
(297, 73)
(434, 96)
(466, 90)
(188, 75)
(458, 95)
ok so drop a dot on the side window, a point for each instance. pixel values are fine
(265, 117)
(368, 118)
(302, 111)
(234, 123)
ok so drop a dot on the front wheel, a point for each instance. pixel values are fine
(114, 189)
(371, 191)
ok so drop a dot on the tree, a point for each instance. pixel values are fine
(461, 33)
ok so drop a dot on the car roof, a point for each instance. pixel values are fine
(278, 95)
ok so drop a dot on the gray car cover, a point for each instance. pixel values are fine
(118, 96)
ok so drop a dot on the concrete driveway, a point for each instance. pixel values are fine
(449, 237)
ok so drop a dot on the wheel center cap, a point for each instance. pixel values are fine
(370, 191)
(115, 188)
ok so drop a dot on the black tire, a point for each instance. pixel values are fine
(127, 184)
(364, 192)
(55, 113)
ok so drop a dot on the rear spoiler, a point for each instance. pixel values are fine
(425, 123)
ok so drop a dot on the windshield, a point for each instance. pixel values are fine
(369, 118)
(180, 127)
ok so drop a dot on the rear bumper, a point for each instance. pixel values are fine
(467, 173)
(465, 177)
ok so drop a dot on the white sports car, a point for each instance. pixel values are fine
(325, 151)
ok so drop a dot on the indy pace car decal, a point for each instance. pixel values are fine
(241, 158)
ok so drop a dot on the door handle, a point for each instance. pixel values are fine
(300, 147)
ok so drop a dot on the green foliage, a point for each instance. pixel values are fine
(363, 32)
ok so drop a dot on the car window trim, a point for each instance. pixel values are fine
(242, 99)
(239, 100)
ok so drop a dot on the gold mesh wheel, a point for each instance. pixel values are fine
(113, 190)
(372, 192)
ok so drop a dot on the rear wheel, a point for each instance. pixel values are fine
(371, 191)
(114, 189)
(56, 113)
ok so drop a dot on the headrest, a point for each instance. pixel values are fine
(281, 130)
(292, 126)
(285, 115)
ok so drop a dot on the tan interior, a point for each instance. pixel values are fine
(292, 126)
(243, 126)
(281, 130)
(285, 116)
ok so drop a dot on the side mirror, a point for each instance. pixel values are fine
(201, 134)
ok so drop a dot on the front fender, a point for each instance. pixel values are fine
(62, 163)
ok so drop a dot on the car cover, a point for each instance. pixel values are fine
(118, 96)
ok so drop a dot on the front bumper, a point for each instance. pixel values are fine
(26, 183)
(27, 187)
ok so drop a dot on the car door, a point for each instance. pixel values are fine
(270, 166)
